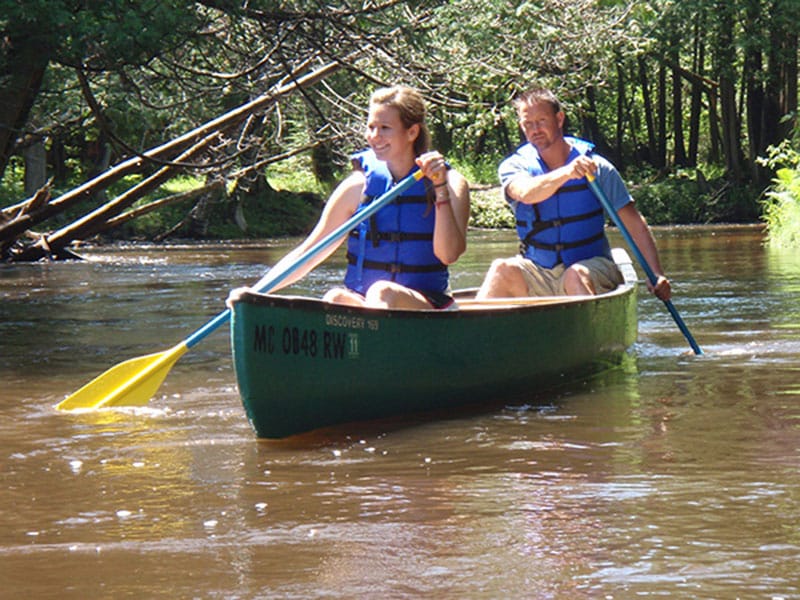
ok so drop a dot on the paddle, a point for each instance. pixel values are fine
(601, 196)
(133, 382)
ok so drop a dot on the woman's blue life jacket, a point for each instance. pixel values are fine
(567, 227)
(396, 243)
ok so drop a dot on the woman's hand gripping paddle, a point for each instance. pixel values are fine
(135, 381)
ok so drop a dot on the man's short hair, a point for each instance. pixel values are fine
(536, 95)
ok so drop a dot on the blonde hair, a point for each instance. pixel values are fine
(411, 106)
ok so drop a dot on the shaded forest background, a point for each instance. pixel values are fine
(173, 118)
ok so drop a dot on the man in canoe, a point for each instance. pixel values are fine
(398, 257)
(560, 222)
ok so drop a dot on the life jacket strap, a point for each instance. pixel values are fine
(394, 267)
(558, 247)
(394, 236)
(538, 225)
(417, 199)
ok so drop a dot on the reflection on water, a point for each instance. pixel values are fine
(671, 475)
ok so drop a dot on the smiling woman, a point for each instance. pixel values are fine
(399, 258)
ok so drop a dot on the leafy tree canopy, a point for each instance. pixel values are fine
(659, 84)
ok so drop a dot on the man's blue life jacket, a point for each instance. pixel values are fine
(569, 225)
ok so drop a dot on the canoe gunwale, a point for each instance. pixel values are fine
(465, 298)
(467, 305)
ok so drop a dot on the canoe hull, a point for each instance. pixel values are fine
(302, 364)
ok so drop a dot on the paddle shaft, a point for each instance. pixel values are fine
(316, 249)
(651, 276)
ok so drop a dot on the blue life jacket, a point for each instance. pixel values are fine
(567, 227)
(396, 243)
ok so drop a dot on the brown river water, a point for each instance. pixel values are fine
(669, 476)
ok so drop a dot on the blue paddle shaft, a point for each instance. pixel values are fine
(316, 249)
(651, 276)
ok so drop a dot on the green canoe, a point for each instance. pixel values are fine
(302, 364)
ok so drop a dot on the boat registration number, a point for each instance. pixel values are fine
(310, 343)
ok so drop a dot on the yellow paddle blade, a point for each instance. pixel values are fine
(130, 383)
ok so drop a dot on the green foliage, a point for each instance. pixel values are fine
(781, 203)
(481, 170)
(786, 154)
(488, 209)
(12, 188)
(160, 67)
(296, 175)
(101, 34)
(273, 215)
(686, 197)
(782, 210)
(478, 64)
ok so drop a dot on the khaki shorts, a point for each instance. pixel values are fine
(605, 275)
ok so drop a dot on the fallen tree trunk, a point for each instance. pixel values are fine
(90, 224)
(125, 217)
(17, 225)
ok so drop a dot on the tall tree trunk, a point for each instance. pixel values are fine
(725, 61)
(789, 78)
(782, 78)
(620, 130)
(501, 131)
(22, 68)
(756, 110)
(698, 62)
(679, 150)
(652, 146)
(35, 157)
(713, 126)
(731, 130)
(590, 128)
(661, 151)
